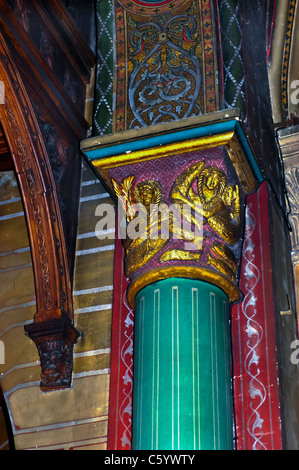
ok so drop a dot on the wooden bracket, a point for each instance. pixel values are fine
(54, 340)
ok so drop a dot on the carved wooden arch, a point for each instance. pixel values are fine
(52, 329)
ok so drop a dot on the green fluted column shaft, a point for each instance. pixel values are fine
(182, 397)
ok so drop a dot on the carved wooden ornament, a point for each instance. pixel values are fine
(52, 330)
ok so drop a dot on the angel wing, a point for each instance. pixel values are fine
(124, 193)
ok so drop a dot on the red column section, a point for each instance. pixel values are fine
(121, 378)
(256, 388)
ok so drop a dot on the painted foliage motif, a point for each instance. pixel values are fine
(256, 388)
(165, 79)
(165, 60)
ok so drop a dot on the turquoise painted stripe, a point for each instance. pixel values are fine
(186, 134)
(247, 150)
(148, 142)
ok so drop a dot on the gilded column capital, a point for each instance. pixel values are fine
(181, 191)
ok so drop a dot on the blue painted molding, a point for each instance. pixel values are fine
(248, 152)
(146, 142)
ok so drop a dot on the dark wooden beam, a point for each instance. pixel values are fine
(5, 158)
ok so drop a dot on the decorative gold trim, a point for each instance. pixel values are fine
(190, 272)
(227, 139)
(132, 135)
(241, 165)
(163, 151)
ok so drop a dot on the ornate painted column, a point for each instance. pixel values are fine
(182, 371)
(181, 192)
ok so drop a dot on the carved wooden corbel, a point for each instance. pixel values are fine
(52, 330)
(54, 340)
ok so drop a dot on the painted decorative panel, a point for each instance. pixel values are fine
(166, 64)
(121, 384)
(256, 389)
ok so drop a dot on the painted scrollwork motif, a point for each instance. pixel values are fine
(165, 80)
